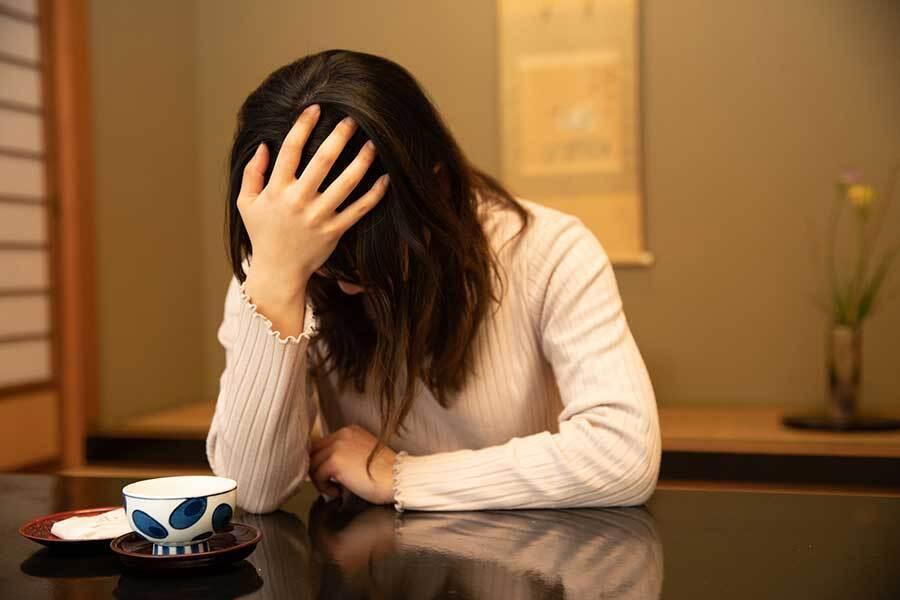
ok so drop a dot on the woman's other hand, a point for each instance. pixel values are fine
(368, 537)
(341, 457)
(293, 228)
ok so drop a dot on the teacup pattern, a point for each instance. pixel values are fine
(180, 525)
(187, 513)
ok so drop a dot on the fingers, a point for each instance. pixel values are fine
(314, 173)
(321, 477)
(320, 456)
(341, 187)
(345, 219)
(325, 441)
(330, 489)
(254, 177)
(285, 169)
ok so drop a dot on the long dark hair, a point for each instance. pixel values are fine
(421, 253)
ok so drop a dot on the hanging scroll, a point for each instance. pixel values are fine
(570, 135)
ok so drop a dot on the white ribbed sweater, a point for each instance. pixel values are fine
(560, 412)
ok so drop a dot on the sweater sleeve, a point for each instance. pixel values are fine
(607, 449)
(265, 409)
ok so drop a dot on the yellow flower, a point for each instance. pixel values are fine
(860, 195)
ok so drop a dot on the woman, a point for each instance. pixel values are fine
(460, 347)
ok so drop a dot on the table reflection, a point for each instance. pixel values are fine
(234, 581)
(283, 558)
(321, 550)
(375, 552)
(55, 564)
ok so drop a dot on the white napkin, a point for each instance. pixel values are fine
(110, 524)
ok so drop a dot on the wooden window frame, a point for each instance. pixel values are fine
(65, 78)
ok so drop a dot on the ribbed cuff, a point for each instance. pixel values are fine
(310, 322)
(451, 480)
(398, 496)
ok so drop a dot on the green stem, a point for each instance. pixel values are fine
(856, 287)
(830, 266)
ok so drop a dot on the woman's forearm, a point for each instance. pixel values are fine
(280, 299)
(265, 410)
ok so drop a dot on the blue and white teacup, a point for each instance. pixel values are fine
(178, 515)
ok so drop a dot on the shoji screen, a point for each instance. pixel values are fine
(26, 290)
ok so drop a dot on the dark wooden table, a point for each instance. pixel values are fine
(682, 545)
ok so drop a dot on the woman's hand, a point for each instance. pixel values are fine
(294, 228)
(368, 537)
(342, 455)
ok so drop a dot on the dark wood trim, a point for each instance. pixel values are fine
(66, 63)
(18, 61)
(25, 388)
(25, 337)
(779, 468)
(50, 467)
(18, 15)
(18, 292)
(168, 451)
(19, 153)
(23, 245)
(22, 108)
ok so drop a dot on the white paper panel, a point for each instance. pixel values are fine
(21, 315)
(22, 7)
(24, 269)
(23, 223)
(21, 85)
(25, 362)
(21, 131)
(22, 177)
(20, 39)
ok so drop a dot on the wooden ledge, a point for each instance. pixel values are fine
(751, 430)
(701, 429)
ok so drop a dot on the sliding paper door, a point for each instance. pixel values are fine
(28, 396)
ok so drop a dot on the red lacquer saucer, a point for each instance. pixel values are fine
(38, 530)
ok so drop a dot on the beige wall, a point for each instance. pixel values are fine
(750, 109)
(149, 222)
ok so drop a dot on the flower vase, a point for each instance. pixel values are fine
(843, 390)
(844, 373)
